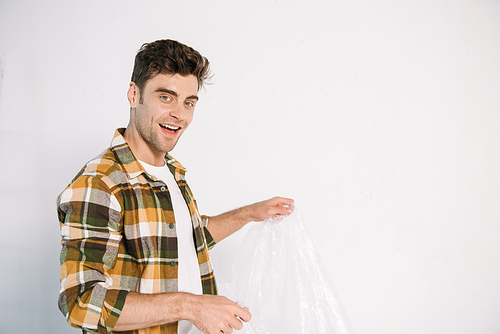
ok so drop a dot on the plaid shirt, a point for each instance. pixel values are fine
(119, 235)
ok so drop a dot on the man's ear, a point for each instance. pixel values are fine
(133, 95)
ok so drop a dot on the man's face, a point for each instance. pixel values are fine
(165, 112)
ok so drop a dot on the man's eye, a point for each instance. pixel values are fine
(189, 104)
(165, 98)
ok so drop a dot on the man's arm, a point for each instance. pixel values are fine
(227, 223)
(89, 216)
(210, 314)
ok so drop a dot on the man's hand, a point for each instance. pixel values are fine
(227, 223)
(216, 314)
(274, 207)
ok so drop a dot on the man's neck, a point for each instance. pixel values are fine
(142, 151)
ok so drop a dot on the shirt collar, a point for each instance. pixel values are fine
(127, 159)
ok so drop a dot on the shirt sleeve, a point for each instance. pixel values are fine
(208, 236)
(90, 221)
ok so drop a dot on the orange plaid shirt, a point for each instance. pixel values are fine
(119, 235)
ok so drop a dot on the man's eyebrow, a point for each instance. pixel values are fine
(168, 91)
(171, 92)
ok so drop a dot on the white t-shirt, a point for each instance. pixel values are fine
(189, 271)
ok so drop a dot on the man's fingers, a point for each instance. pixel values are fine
(244, 314)
(241, 314)
(283, 206)
(236, 324)
(281, 201)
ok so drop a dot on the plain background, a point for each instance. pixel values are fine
(380, 118)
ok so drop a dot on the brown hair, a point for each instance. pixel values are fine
(168, 57)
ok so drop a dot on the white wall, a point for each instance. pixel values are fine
(381, 119)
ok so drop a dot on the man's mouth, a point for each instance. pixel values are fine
(170, 128)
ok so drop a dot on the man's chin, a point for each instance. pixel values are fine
(170, 146)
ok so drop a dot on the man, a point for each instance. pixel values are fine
(134, 247)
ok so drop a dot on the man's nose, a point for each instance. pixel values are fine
(178, 111)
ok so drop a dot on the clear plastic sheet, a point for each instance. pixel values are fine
(278, 275)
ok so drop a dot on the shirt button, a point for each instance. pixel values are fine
(171, 225)
(173, 263)
(162, 189)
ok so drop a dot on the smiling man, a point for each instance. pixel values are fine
(134, 253)
(160, 114)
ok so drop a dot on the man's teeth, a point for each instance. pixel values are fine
(170, 127)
